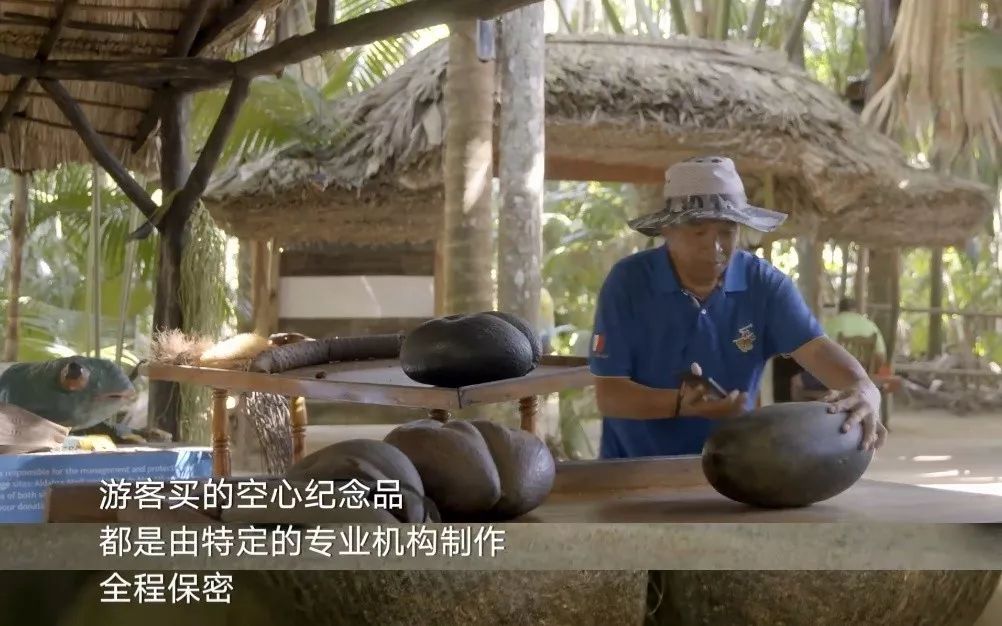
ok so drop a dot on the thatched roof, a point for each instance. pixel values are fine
(98, 30)
(617, 109)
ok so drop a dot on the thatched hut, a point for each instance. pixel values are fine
(618, 109)
(38, 135)
(359, 215)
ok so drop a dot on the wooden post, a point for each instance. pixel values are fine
(439, 279)
(220, 434)
(859, 283)
(935, 347)
(884, 288)
(18, 228)
(440, 415)
(843, 285)
(260, 277)
(165, 396)
(95, 255)
(299, 420)
(527, 412)
(810, 269)
(274, 275)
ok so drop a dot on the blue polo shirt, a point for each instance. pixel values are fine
(649, 329)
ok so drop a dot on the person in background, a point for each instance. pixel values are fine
(700, 299)
(848, 322)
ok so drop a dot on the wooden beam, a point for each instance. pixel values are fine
(223, 21)
(193, 74)
(44, 122)
(24, 19)
(140, 72)
(17, 98)
(40, 93)
(98, 149)
(181, 47)
(374, 26)
(125, 8)
(199, 178)
(566, 168)
(324, 15)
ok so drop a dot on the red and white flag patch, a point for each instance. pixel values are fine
(597, 343)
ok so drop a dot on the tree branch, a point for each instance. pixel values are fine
(44, 49)
(96, 146)
(796, 33)
(179, 48)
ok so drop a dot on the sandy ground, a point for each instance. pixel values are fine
(929, 448)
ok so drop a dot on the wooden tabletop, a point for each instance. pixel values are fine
(675, 490)
(382, 382)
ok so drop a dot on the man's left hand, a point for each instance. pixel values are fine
(862, 401)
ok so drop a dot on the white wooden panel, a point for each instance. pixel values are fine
(355, 297)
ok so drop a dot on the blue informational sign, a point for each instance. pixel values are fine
(25, 478)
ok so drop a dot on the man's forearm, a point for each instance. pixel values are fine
(831, 364)
(623, 398)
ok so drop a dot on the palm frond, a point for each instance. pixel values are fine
(934, 87)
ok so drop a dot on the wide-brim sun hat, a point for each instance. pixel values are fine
(706, 188)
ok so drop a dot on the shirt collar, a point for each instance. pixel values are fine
(735, 276)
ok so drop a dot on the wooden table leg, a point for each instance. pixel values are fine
(527, 411)
(440, 415)
(220, 434)
(299, 419)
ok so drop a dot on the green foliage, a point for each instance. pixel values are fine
(584, 234)
(54, 285)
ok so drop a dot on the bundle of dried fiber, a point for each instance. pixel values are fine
(176, 348)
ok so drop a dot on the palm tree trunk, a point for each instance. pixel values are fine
(467, 237)
(520, 244)
(19, 222)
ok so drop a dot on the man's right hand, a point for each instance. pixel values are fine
(698, 401)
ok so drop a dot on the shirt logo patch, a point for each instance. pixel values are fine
(597, 343)
(746, 339)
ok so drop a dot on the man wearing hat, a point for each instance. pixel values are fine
(700, 300)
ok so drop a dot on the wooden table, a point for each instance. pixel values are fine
(656, 490)
(674, 489)
(380, 382)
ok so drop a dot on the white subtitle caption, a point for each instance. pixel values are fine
(249, 494)
(352, 540)
(175, 588)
